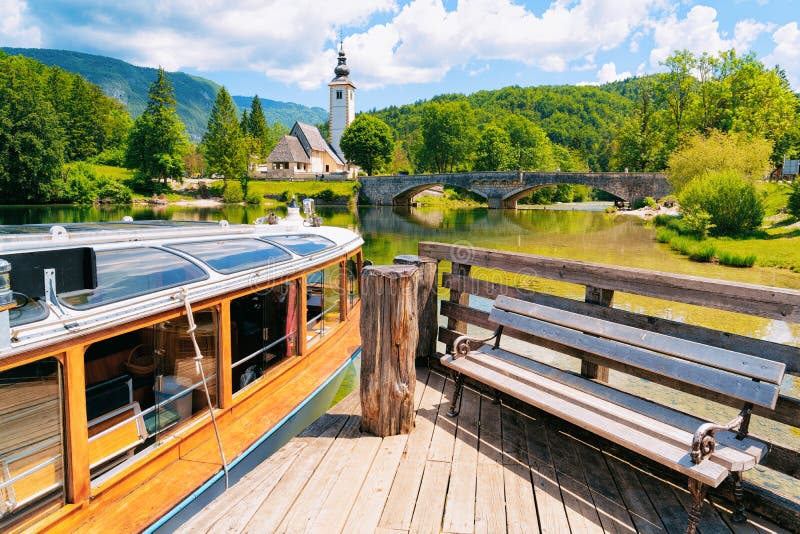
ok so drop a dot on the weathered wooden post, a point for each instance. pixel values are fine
(389, 333)
(426, 300)
(601, 297)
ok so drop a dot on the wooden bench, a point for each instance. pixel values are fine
(707, 453)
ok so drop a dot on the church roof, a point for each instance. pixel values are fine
(314, 140)
(288, 149)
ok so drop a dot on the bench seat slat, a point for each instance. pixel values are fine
(707, 472)
(727, 360)
(742, 388)
(648, 417)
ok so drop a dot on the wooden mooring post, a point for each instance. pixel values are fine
(426, 301)
(389, 334)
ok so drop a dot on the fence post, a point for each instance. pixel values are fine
(389, 334)
(426, 301)
(601, 297)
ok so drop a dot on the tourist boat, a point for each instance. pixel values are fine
(144, 365)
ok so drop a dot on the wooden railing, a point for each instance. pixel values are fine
(601, 282)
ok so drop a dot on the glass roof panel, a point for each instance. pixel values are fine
(302, 245)
(233, 255)
(126, 273)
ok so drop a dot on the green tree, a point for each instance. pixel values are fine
(448, 135)
(368, 143)
(223, 144)
(531, 150)
(729, 198)
(157, 141)
(258, 129)
(678, 90)
(493, 152)
(31, 138)
(749, 157)
(640, 141)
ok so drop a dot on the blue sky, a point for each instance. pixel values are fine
(401, 51)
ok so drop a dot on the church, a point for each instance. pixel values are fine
(305, 153)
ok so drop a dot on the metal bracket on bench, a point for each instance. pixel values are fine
(703, 443)
(461, 345)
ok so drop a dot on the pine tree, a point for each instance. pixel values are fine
(157, 141)
(223, 144)
(258, 129)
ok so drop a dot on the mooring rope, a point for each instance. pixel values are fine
(199, 369)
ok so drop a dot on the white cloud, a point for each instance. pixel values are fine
(15, 27)
(699, 32)
(425, 40)
(608, 73)
(787, 52)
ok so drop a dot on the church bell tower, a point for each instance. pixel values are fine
(342, 107)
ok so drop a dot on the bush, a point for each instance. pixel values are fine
(216, 187)
(701, 252)
(114, 192)
(610, 209)
(732, 202)
(650, 202)
(793, 203)
(253, 198)
(233, 193)
(83, 185)
(662, 220)
(736, 260)
(697, 251)
(698, 222)
(665, 235)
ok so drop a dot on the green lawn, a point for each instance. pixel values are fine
(310, 188)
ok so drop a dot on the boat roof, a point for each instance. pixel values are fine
(115, 272)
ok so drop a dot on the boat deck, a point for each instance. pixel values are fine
(492, 469)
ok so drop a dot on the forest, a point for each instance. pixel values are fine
(635, 124)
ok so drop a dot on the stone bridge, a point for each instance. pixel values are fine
(504, 189)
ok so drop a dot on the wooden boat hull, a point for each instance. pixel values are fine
(292, 424)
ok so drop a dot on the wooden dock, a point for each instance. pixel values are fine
(491, 469)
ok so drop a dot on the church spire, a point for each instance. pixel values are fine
(342, 70)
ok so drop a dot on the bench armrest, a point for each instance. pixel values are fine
(703, 443)
(461, 345)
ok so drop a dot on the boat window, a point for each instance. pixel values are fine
(323, 304)
(26, 311)
(264, 327)
(302, 245)
(31, 440)
(233, 255)
(143, 384)
(131, 272)
(353, 280)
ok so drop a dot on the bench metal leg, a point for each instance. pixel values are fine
(455, 405)
(738, 498)
(698, 492)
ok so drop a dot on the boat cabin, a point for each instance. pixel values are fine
(108, 330)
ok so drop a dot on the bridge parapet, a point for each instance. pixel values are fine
(503, 189)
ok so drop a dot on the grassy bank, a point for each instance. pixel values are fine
(776, 244)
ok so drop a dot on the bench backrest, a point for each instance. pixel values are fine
(744, 377)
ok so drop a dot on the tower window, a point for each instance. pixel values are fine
(338, 95)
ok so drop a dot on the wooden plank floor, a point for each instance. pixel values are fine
(492, 469)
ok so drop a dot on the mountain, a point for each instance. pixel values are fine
(284, 112)
(129, 84)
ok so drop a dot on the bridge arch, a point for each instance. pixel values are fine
(512, 199)
(404, 198)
